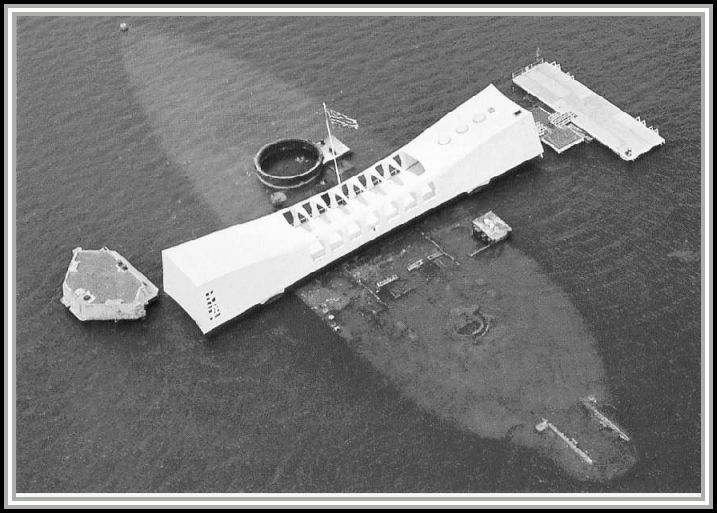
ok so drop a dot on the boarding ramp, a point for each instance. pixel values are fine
(556, 129)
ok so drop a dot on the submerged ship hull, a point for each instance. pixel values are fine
(487, 341)
(220, 276)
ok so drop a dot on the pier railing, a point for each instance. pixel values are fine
(653, 128)
(540, 60)
(561, 119)
(523, 69)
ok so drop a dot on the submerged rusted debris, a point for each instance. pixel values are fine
(382, 283)
(417, 264)
(439, 248)
(103, 285)
(570, 442)
(590, 404)
(357, 278)
(468, 322)
(398, 291)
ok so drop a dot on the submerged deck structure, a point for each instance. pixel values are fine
(222, 275)
(627, 136)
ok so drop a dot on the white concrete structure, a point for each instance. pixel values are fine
(627, 136)
(224, 274)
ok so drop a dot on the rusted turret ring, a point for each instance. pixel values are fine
(288, 148)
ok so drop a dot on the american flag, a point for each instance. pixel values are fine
(341, 119)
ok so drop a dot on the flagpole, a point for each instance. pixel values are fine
(331, 141)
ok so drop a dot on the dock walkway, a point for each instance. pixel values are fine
(627, 136)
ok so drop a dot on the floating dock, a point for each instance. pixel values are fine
(627, 136)
(103, 285)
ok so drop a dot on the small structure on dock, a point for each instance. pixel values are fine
(489, 229)
(103, 285)
(627, 136)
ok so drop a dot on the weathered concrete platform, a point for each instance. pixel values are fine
(103, 285)
(627, 136)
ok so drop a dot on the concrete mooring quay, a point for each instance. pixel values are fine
(627, 136)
